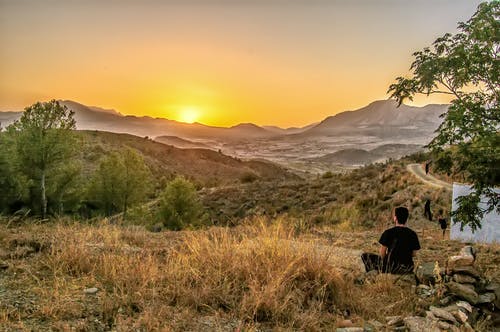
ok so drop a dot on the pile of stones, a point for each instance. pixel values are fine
(465, 295)
(462, 297)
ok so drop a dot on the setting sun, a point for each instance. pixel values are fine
(189, 114)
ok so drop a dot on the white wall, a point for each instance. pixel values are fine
(490, 230)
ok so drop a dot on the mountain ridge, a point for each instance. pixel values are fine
(379, 118)
(382, 114)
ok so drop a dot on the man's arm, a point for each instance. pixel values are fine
(383, 251)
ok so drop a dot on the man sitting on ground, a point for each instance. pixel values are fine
(398, 245)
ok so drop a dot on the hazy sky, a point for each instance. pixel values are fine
(219, 62)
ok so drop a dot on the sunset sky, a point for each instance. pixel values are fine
(218, 62)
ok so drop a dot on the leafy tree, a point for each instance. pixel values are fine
(122, 180)
(465, 66)
(44, 143)
(180, 205)
(12, 183)
(65, 191)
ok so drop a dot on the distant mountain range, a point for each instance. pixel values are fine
(376, 132)
(380, 118)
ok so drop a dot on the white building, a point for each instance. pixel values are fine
(490, 224)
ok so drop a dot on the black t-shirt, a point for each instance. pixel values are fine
(400, 242)
(442, 222)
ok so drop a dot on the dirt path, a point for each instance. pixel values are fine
(418, 171)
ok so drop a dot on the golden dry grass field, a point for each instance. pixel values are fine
(262, 275)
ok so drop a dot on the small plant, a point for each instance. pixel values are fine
(248, 177)
(327, 175)
(180, 206)
(439, 284)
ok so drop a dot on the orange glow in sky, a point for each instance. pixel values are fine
(188, 114)
(217, 62)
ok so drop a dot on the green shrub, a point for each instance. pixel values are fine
(327, 175)
(248, 177)
(180, 206)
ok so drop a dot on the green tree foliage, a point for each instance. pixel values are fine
(466, 66)
(180, 205)
(122, 180)
(12, 183)
(65, 192)
(44, 143)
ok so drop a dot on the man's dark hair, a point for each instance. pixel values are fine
(401, 214)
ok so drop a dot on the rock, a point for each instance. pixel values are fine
(463, 278)
(486, 298)
(459, 261)
(92, 290)
(460, 316)
(425, 291)
(451, 308)
(446, 300)
(394, 321)
(468, 251)
(425, 273)
(463, 292)
(492, 286)
(444, 326)
(443, 314)
(376, 324)
(464, 305)
(350, 329)
(430, 315)
(418, 324)
(467, 328)
(345, 323)
(4, 266)
(468, 270)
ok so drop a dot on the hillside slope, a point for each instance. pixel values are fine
(206, 167)
(361, 198)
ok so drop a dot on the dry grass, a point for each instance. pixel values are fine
(253, 277)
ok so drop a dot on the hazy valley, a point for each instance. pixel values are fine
(373, 133)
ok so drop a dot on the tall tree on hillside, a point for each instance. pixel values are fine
(44, 143)
(12, 183)
(122, 180)
(465, 66)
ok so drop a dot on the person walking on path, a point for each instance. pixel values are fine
(442, 221)
(427, 166)
(427, 210)
(398, 246)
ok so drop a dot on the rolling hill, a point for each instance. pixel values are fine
(180, 142)
(206, 167)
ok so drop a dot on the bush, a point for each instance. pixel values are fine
(180, 206)
(327, 175)
(248, 177)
